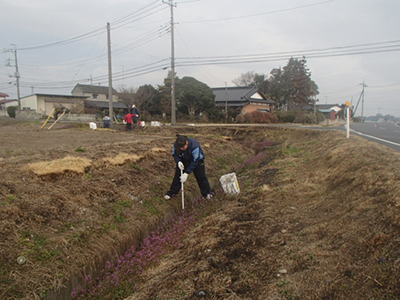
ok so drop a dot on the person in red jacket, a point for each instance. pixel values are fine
(128, 121)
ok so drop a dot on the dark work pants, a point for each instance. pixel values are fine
(129, 126)
(201, 177)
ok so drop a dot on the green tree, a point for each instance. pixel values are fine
(194, 97)
(292, 87)
(262, 83)
(275, 88)
(143, 97)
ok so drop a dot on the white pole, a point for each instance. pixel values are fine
(183, 193)
(348, 121)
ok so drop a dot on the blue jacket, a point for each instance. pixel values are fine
(135, 111)
(191, 157)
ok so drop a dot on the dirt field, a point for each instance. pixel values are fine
(317, 216)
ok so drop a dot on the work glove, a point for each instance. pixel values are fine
(184, 177)
(181, 166)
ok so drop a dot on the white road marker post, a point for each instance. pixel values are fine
(348, 119)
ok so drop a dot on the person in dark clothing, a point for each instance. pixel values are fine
(135, 115)
(128, 121)
(107, 121)
(189, 157)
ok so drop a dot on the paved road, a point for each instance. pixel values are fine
(385, 133)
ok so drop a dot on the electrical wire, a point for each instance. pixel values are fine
(122, 22)
(258, 14)
(313, 53)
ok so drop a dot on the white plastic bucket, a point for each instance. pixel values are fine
(142, 123)
(230, 184)
(93, 125)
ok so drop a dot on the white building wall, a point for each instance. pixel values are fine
(29, 102)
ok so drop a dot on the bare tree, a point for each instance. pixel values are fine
(245, 79)
(127, 96)
(141, 97)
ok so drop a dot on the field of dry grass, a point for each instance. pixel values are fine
(317, 216)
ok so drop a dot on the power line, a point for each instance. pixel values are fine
(313, 53)
(252, 58)
(67, 41)
(303, 52)
(258, 14)
(122, 22)
(135, 14)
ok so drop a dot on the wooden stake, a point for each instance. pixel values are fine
(57, 120)
(48, 118)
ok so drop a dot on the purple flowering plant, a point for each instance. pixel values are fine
(118, 280)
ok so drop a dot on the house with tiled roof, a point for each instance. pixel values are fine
(3, 96)
(97, 96)
(94, 92)
(246, 99)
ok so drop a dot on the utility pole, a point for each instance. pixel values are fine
(173, 110)
(110, 94)
(226, 102)
(315, 105)
(14, 51)
(362, 102)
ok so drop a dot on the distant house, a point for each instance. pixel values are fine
(3, 96)
(94, 92)
(4, 103)
(44, 103)
(247, 99)
(97, 97)
(104, 105)
(329, 110)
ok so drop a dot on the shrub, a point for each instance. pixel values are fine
(216, 115)
(287, 116)
(309, 118)
(11, 111)
(257, 117)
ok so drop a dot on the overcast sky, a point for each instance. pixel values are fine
(64, 42)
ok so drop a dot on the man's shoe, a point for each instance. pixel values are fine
(166, 197)
(209, 196)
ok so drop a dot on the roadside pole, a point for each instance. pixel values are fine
(348, 119)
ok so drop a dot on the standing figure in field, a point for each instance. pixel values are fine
(106, 121)
(189, 158)
(128, 121)
(135, 115)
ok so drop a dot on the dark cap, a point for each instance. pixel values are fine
(180, 141)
